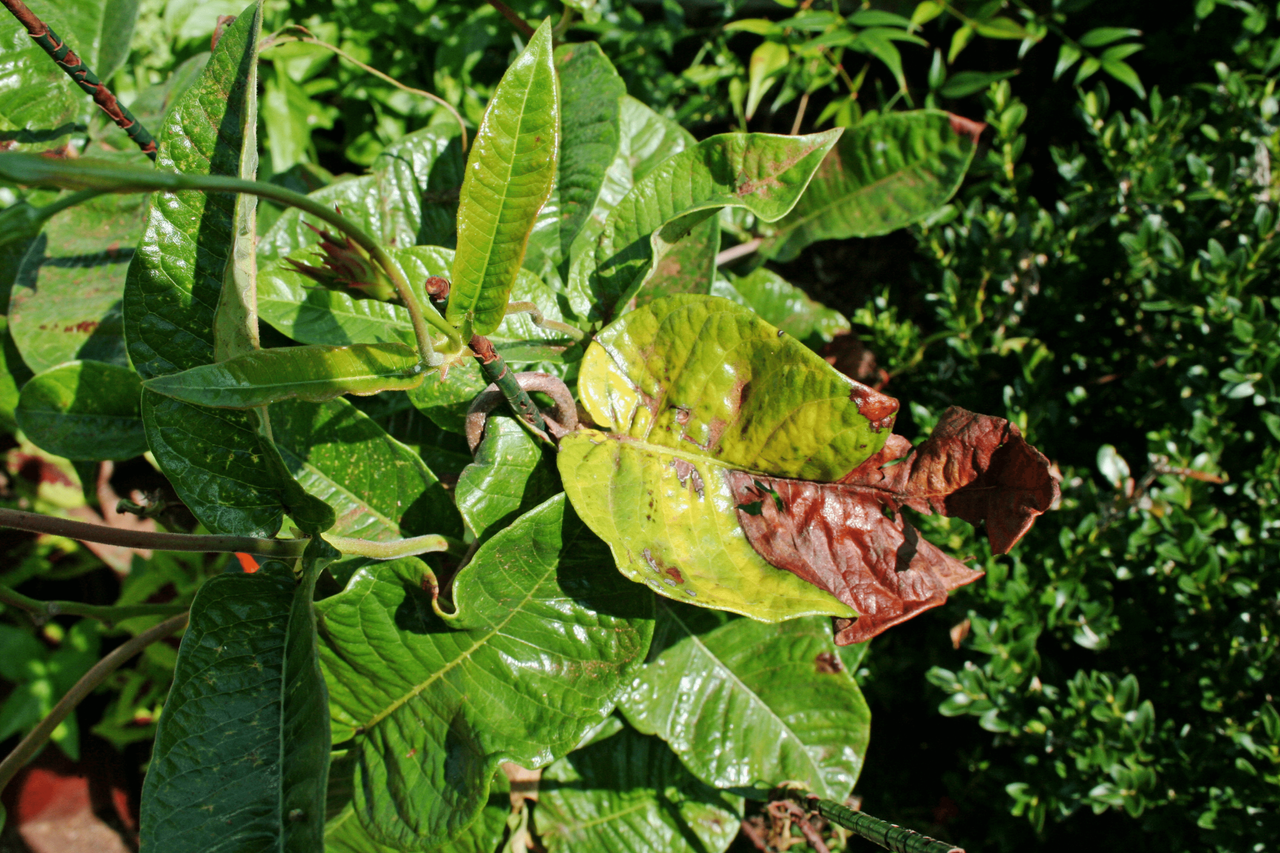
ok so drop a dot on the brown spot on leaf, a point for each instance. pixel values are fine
(675, 574)
(688, 475)
(828, 663)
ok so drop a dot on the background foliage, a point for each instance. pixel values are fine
(1104, 279)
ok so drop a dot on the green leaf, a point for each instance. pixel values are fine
(215, 460)
(1001, 28)
(649, 138)
(311, 315)
(509, 174)
(509, 477)
(84, 410)
(13, 374)
(1124, 72)
(629, 792)
(783, 684)
(1100, 36)
(786, 306)
(763, 173)
(314, 373)
(242, 751)
(344, 834)
(1067, 56)
(378, 488)
(684, 256)
(882, 176)
(540, 645)
(766, 61)
(66, 299)
(694, 387)
(408, 199)
(965, 83)
(591, 95)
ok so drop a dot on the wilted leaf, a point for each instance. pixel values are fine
(629, 792)
(84, 410)
(838, 536)
(314, 373)
(694, 387)
(543, 640)
(881, 176)
(746, 704)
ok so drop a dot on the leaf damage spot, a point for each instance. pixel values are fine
(827, 663)
(688, 475)
(966, 127)
(880, 409)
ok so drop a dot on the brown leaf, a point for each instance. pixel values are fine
(850, 539)
(840, 540)
(974, 467)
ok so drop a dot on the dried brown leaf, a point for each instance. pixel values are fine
(849, 539)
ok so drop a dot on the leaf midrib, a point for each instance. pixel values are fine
(755, 697)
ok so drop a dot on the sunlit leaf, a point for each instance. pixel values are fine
(314, 373)
(704, 686)
(510, 476)
(509, 173)
(543, 640)
(881, 176)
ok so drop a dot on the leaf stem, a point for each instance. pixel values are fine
(42, 611)
(32, 743)
(308, 38)
(542, 322)
(495, 370)
(69, 62)
(516, 21)
(397, 548)
(32, 169)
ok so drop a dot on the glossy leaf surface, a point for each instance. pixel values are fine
(629, 792)
(66, 298)
(242, 750)
(407, 199)
(881, 176)
(764, 174)
(84, 410)
(786, 306)
(313, 373)
(509, 477)
(39, 103)
(838, 537)
(693, 388)
(213, 458)
(543, 640)
(509, 173)
(378, 488)
(667, 516)
(747, 705)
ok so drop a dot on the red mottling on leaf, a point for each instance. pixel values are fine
(967, 126)
(878, 408)
(849, 539)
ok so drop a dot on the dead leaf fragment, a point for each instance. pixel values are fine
(850, 539)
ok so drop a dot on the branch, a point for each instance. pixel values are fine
(83, 77)
(890, 836)
(42, 611)
(34, 170)
(508, 384)
(276, 38)
(32, 743)
(510, 15)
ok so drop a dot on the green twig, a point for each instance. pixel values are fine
(69, 62)
(542, 322)
(495, 370)
(42, 611)
(32, 743)
(397, 548)
(508, 13)
(887, 835)
(283, 36)
(31, 169)
(280, 549)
